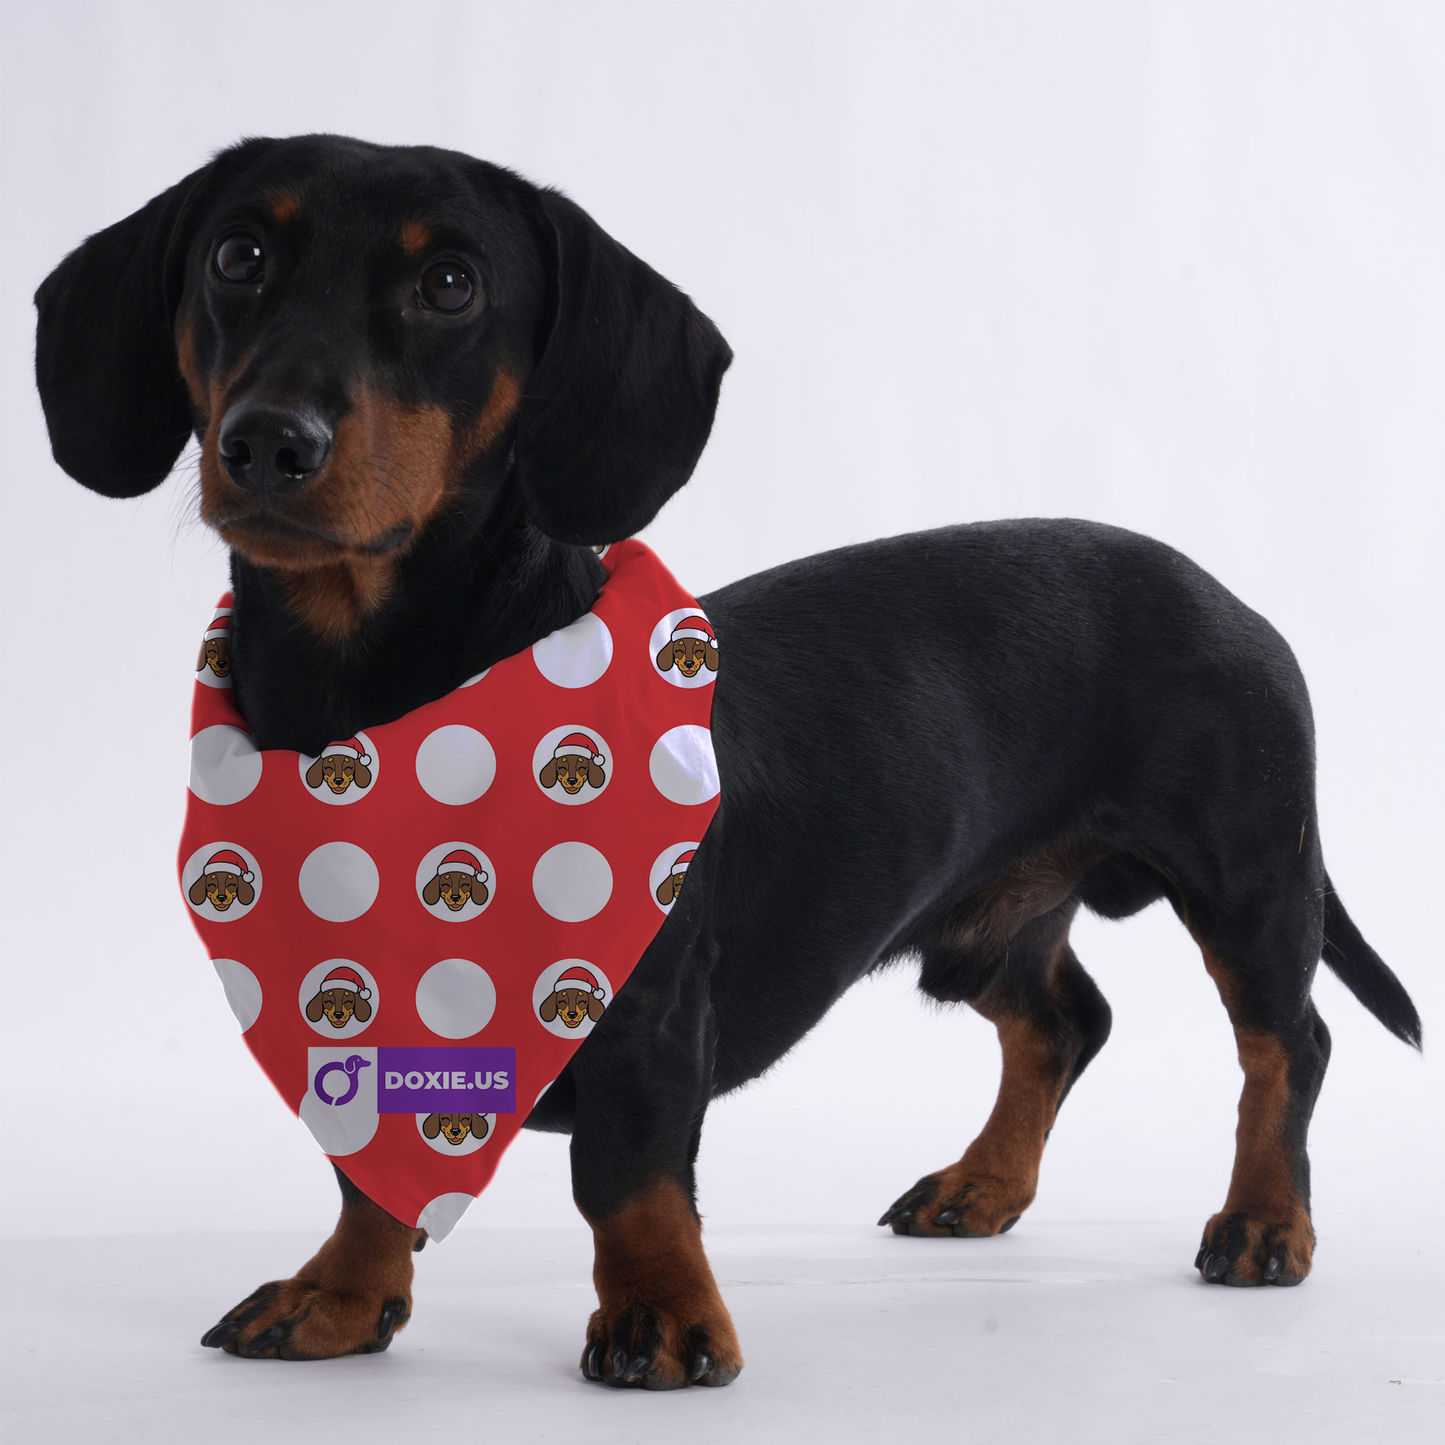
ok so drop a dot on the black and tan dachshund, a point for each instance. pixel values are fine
(424, 388)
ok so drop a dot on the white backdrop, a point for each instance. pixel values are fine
(1170, 266)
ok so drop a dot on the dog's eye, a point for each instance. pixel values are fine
(240, 259)
(445, 287)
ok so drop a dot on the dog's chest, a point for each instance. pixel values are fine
(420, 926)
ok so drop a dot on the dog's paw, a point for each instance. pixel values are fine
(654, 1349)
(290, 1319)
(1243, 1249)
(959, 1203)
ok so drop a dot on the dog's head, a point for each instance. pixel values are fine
(454, 1128)
(689, 655)
(338, 1006)
(571, 1005)
(221, 890)
(370, 342)
(454, 889)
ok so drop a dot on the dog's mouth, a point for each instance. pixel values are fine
(454, 901)
(571, 785)
(572, 1019)
(338, 785)
(221, 902)
(338, 1019)
(220, 668)
(270, 539)
(689, 669)
(455, 1136)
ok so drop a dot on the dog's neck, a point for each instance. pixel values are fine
(469, 593)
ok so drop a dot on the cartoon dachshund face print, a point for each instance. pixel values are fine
(576, 763)
(455, 1128)
(691, 647)
(577, 995)
(455, 890)
(342, 995)
(225, 880)
(215, 654)
(221, 890)
(341, 765)
(337, 1006)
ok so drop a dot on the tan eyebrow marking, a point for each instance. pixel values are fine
(416, 236)
(284, 205)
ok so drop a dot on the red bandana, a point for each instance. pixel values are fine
(417, 928)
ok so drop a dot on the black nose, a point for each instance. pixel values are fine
(273, 450)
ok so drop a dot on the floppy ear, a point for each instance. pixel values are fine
(595, 1008)
(105, 351)
(314, 1009)
(201, 660)
(197, 891)
(621, 402)
(480, 1127)
(548, 1010)
(314, 774)
(432, 1125)
(709, 657)
(361, 1009)
(665, 894)
(432, 893)
(664, 656)
(480, 892)
(245, 893)
(596, 775)
(361, 776)
(548, 776)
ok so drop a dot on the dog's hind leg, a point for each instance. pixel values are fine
(1262, 958)
(349, 1299)
(1051, 1021)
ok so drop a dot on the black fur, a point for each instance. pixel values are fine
(1010, 719)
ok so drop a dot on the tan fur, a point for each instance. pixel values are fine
(650, 1254)
(284, 206)
(335, 1299)
(415, 237)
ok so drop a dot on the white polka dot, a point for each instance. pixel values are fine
(575, 656)
(339, 882)
(243, 990)
(225, 764)
(476, 678)
(572, 881)
(440, 1217)
(455, 998)
(683, 766)
(455, 764)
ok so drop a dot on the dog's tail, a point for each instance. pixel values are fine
(1365, 973)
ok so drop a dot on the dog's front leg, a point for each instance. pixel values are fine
(642, 1086)
(349, 1299)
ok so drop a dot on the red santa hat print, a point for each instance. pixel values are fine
(579, 977)
(698, 628)
(348, 748)
(460, 861)
(578, 745)
(229, 861)
(341, 976)
(220, 627)
(679, 864)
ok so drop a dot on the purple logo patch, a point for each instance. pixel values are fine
(447, 1081)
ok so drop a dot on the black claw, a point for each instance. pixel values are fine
(1273, 1265)
(701, 1364)
(947, 1217)
(420, 1244)
(592, 1366)
(1008, 1224)
(619, 1363)
(266, 1340)
(1216, 1267)
(1201, 1256)
(221, 1334)
(637, 1367)
(393, 1313)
